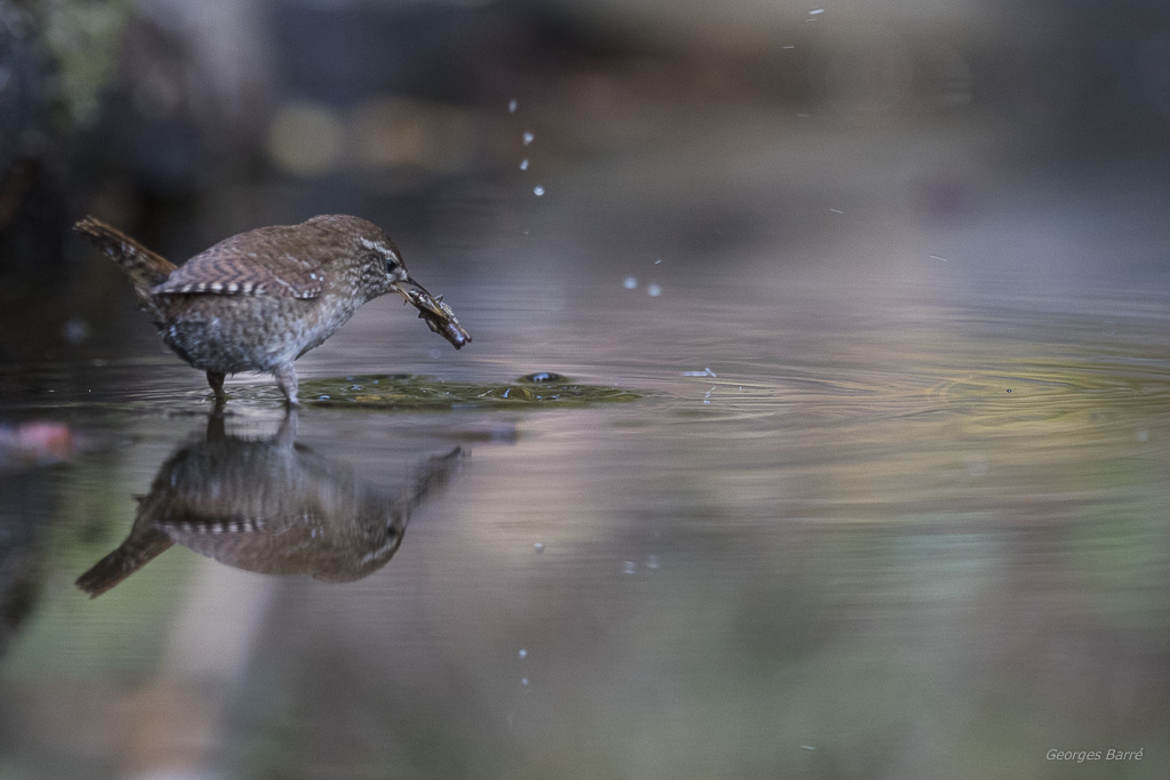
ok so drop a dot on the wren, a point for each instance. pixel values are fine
(259, 300)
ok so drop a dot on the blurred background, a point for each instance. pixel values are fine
(892, 277)
(656, 128)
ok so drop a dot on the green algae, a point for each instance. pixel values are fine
(407, 392)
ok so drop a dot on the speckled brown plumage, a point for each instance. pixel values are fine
(259, 300)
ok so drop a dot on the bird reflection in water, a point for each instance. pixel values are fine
(268, 506)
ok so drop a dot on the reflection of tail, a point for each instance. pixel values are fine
(134, 553)
(144, 267)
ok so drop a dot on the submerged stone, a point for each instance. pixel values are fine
(396, 391)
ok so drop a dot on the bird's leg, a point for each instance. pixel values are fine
(215, 379)
(286, 377)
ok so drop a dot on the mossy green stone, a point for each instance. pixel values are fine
(397, 391)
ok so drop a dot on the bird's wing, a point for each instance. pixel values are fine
(267, 261)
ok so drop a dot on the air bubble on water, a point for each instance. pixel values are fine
(1142, 436)
(524, 164)
(323, 397)
(652, 562)
(524, 681)
(658, 261)
(522, 653)
(630, 282)
(355, 387)
(538, 191)
(629, 567)
(803, 116)
(788, 46)
(653, 290)
(837, 211)
(539, 547)
(705, 372)
(512, 106)
(527, 138)
(816, 11)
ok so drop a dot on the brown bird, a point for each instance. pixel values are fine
(259, 300)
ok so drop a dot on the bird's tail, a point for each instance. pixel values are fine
(134, 553)
(144, 267)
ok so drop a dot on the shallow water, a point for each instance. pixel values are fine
(897, 529)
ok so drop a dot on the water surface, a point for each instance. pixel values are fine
(896, 523)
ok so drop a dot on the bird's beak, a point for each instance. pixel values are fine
(434, 311)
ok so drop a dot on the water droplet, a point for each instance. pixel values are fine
(524, 681)
(524, 164)
(75, 330)
(522, 653)
(538, 191)
(630, 282)
(653, 290)
(658, 261)
(512, 106)
(527, 138)
(539, 547)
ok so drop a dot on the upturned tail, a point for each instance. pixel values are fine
(144, 267)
